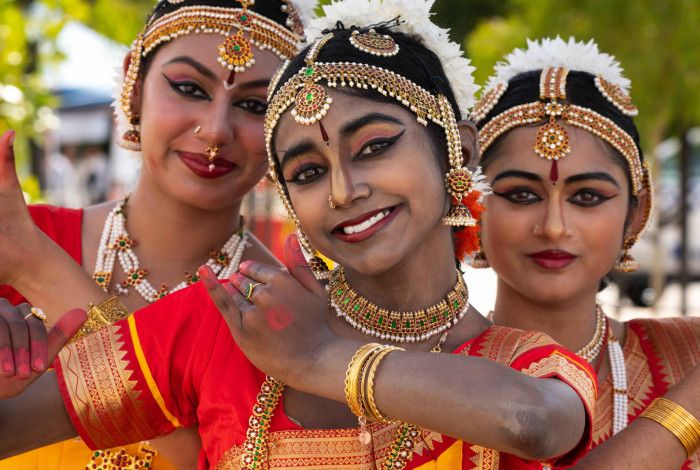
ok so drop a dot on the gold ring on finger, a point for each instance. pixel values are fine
(249, 290)
(36, 312)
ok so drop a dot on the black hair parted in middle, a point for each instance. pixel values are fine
(414, 61)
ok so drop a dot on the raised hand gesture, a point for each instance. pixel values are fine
(18, 233)
(26, 348)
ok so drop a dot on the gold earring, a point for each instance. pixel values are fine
(197, 129)
(331, 204)
(626, 263)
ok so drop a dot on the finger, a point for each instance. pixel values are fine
(8, 171)
(65, 328)
(296, 264)
(19, 337)
(259, 272)
(221, 295)
(37, 343)
(245, 285)
(7, 361)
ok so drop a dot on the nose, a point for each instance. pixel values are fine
(347, 187)
(554, 224)
(215, 126)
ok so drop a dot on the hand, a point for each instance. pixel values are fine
(283, 328)
(18, 233)
(26, 349)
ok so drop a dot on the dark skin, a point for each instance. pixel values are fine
(373, 162)
(180, 91)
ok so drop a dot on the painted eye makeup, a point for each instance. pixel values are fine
(588, 198)
(521, 195)
(252, 105)
(188, 89)
(307, 173)
(377, 146)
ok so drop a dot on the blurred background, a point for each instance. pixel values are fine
(59, 60)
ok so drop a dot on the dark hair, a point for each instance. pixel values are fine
(414, 61)
(581, 91)
(270, 9)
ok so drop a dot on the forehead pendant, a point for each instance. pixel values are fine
(236, 52)
(552, 141)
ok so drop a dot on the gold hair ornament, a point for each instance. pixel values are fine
(310, 102)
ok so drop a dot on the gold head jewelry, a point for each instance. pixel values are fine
(374, 43)
(309, 102)
(242, 29)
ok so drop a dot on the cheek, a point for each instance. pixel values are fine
(503, 227)
(250, 133)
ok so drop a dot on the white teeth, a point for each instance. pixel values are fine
(361, 227)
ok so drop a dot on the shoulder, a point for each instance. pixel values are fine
(504, 344)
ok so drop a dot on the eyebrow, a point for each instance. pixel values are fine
(354, 126)
(349, 128)
(263, 82)
(296, 150)
(201, 68)
(594, 175)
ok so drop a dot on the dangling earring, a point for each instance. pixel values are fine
(131, 139)
(627, 263)
(479, 260)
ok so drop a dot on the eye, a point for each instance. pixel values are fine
(378, 146)
(307, 173)
(588, 198)
(253, 106)
(188, 89)
(523, 196)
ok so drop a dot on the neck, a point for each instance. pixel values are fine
(172, 232)
(570, 322)
(405, 286)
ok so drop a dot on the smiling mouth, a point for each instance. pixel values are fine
(363, 227)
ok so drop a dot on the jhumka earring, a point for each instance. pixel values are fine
(131, 138)
(627, 263)
(479, 260)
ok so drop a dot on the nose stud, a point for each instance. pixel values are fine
(331, 203)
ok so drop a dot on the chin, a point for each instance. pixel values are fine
(373, 262)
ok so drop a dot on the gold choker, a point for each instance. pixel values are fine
(417, 325)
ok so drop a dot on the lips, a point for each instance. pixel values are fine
(552, 259)
(200, 165)
(363, 227)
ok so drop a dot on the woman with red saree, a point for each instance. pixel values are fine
(571, 194)
(191, 108)
(362, 171)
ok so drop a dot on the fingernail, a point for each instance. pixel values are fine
(39, 364)
(11, 142)
(8, 367)
(23, 369)
(244, 265)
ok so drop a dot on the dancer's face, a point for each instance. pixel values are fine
(553, 242)
(381, 168)
(183, 89)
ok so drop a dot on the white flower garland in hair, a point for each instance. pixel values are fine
(555, 52)
(414, 20)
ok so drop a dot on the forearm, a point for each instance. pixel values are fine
(645, 444)
(34, 419)
(468, 398)
(52, 280)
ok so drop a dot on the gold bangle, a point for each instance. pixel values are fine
(368, 385)
(103, 314)
(353, 375)
(677, 420)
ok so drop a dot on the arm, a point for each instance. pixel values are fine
(286, 334)
(645, 444)
(29, 260)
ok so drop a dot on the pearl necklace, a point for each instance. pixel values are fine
(115, 243)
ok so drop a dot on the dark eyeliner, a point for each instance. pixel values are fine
(389, 141)
(176, 88)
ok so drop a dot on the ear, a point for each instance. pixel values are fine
(136, 92)
(638, 215)
(469, 137)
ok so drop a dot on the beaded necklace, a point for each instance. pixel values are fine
(417, 325)
(115, 243)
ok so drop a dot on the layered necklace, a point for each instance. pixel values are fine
(116, 244)
(364, 316)
(413, 326)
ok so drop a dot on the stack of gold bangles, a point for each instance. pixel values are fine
(676, 419)
(359, 381)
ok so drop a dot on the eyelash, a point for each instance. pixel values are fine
(533, 197)
(253, 106)
(386, 143)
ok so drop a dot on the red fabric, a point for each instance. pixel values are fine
(203, 377)
(61, 225)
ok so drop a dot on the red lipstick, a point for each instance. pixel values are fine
(552, 259)
(365, 225)
(200, 165)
